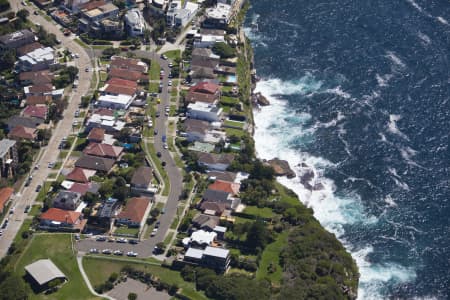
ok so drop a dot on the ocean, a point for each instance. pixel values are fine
(359, 94)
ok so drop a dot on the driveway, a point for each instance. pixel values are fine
(27, 195)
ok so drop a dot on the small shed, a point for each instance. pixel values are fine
(44, 271)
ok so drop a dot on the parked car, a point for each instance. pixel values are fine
(118, 252)
(107, 251)
(111, 240)
(134, 242)
(38, 188)
(132, 254)
(157, 224)
(93, 250)
(27, 209)
(122, 240)
(51, 165)
(155, 132)
(158, 154)
(154, 231)
(100, 239)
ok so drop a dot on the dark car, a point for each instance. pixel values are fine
(158, 154)
(27, 209)
(157, 114)
(155, 132)
(157, 224)
(163, 163)
(38, 188)
(134, 242)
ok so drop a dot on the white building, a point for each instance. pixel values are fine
(109, 123)
(178, 15)
(134, 22)
(218, 16)
(39, 59)
(207, 41)
(204, 111)
(119, 101)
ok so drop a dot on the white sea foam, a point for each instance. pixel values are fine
(395, 59)
(442, 20)
(275, 133)
(392, 126)
(383, 80)
(425, 38)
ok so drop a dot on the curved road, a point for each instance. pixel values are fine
(27, 195)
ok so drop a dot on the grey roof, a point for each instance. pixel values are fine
(220, 229)
(215, 196)
(133, 16)
(206, 62)
(108, 207)
(65, 198)
(95, 163)
(16, 36)
(225, 176)
(205, 52)
(43, 271)
(24, 121)
(5, 145)
(193, 125)
(216, 252)
(142, 176)
(194, 253)
(202, 220)
(212, 158)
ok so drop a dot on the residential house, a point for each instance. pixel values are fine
(134, 22)
(213, 208)
(103, 150)
(17, 39)
(36, 77)
(127, 74)
(218, 17)
(60, 219)
(205, 54)
(202, 73)
(38, 100)
(92, 15)
(179, 14)
(23, 121)
(118, 86)
(208, 41)
(205, 222)
(200, 239)
(130, 64)
(206, 92)
(8, 157)
(5, 195)
(19, 133)
(215, 162)
(118, 101)
(35, 111)
(96, 135)
(211, 257)
(95, 163)
(83, 188)
(42, 4)
(39, 59)
(133, 215)
(105, 214)
(78, 5)
(45, 89)
(220, 230)
(225, 186)
(224, 176)
(80, 175)
(195, 130)
(204, 111)
(217, 196)
(141, 182)
(67, 200)
(25, 49)
(108, 123)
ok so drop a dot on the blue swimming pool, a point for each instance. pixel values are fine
(231, 78)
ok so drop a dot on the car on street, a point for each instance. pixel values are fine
(38, 188)
(107, 251)
(157, 250)
(166, 114)
(93, 250)
(122, 240)
(133, 242)
(51, 165)
(100, 239)
(11, 211)
(163, 164)
(132, 254)
(170, 65)
(155, 132)
(36, 13)
(86, 70)
(111, 240)
(77, 237)
(154, 231)
(150, 124)
(170, 83)
(27, 209)
(157, 114)
(163, 56)
(165, 146)
(157, 224)
(158, 154)
(1, 232)
(118, 252)
(75, 123)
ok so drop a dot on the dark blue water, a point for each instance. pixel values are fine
(360, 93)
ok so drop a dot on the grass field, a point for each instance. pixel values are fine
(99, 269)
(234, 124)
(264, 212)
(271, 255)
(237, 132)
(58, 248)
(154, 71)
(125, 230)
(173, 54)
(230, 101)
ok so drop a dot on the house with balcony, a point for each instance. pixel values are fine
(9, 157)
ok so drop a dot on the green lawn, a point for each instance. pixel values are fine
(153, 87)
(230, 101)
(58, 248)
(168, 238)
(173, 110)
(236, 132)
(62, 154)
(271, 255)
(234, 124)
(154, 71)
(35, 210)
(173, 54)
(264, 212)
(126, 230)
(80, 42)
(99, 269)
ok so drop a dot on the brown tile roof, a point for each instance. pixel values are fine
(125, 74)
(37, 77)
(103, 150)
(35, 111)
(95, 163)
(92, 4)
(142, 176)
(117, 89)
(104, 112)
(21, 132)
(224, 176)
(61, 215)
(80, 175)
(212, 158)
(225, 186)
(96, 134)
(28, 48)
(5, 194)
(219, 208)
(33, 99)
(131, 64)
(205, 87)
(193, 97)
(193, 125)
(41, 88)
(135, 209)
(122, 82)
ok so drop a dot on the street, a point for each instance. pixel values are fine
(27, 195)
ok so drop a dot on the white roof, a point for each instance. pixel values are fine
(203, 237)
(191, 6)
(202, 106)
(241, 176)
(221, 11)
(220, 229)
(38, 55)
(194, 253)
(67, 184)
(44, 270)
(213, 38)
(116, 99)
(217, 252)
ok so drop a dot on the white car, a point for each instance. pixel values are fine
(170, 83)
(118, 252)
(107, 251)
(51, 165)
(154, 232)
(122, 240)
(150, 124)
(132, 254)
(93, 250)
(165, 146)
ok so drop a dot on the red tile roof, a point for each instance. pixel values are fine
(35, 111)
(201, 97)
(122, 82)
(118, 89)
(28, 48)
(205, 87)
(92, 4)
(41, 88)
(131, 64)
(33, 100)
(78, 175)
(5, 194)
(80, 188)
(135, 209)
(37, 77)
(21, 132)
(104, 112)
(125, 74)
(225, 186)
(61, 215)
(103, 150)
(96, 134)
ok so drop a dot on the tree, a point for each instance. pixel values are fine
(155, 212)
(258, 236)
(132, 296)
(110, 51)
(23, 14)
(224, 50)
(13, 288)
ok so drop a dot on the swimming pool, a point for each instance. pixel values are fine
(231, 79)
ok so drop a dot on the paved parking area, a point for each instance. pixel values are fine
(121, 291)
